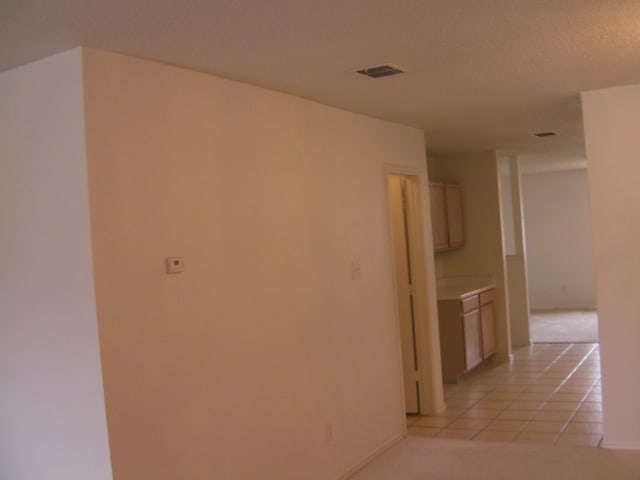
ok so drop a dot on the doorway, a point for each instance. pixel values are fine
(402, 229)
(564, 326)
(559, 250)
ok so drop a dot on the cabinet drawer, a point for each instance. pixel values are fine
(470, 303)
(486, 297)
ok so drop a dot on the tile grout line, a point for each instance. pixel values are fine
(528, 422)
(530, 382)
(568, 376)
(573, 414)
(553, 392)
(548, 365)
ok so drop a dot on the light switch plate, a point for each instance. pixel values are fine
(175, 264)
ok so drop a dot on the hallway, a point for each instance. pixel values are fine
(548, 394)
(564, 326)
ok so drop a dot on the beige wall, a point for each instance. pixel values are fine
(612, 132)
(557, 220)
(482, 253)
(264, 359)
(52, 420)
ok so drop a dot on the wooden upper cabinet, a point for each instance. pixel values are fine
(439, 222)
(446, 216)
(453, 195)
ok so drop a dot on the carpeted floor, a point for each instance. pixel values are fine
(417, 458)
(564, 326)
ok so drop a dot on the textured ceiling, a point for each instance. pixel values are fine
(483, 74)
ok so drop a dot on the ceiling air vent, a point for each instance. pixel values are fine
(378, 71)
(545, 134)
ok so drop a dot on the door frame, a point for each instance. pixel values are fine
(400, 207)
(427, 336)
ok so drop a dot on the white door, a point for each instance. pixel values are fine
(400, 205)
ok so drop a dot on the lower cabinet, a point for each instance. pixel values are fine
(467, 333)
(488, 324)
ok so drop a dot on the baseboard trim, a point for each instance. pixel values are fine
(620, 445)
(441, 407)
(372, 456)
(503, 357)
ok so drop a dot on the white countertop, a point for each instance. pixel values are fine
(457, 288)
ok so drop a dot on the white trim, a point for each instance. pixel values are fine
(431, 395)
(372, 456)
(391, 171)
(620, 445)
(503, 357)
(396, 169)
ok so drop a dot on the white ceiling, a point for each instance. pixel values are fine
(483, 74)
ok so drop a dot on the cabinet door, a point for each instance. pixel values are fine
(439, 216)
(488, 330)
(451, 340)
(453, 194)
(472, 339)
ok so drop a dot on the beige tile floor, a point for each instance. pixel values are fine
(548, 394)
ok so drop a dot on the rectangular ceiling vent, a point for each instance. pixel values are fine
(378, 71)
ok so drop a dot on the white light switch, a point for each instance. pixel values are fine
(175, 265)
